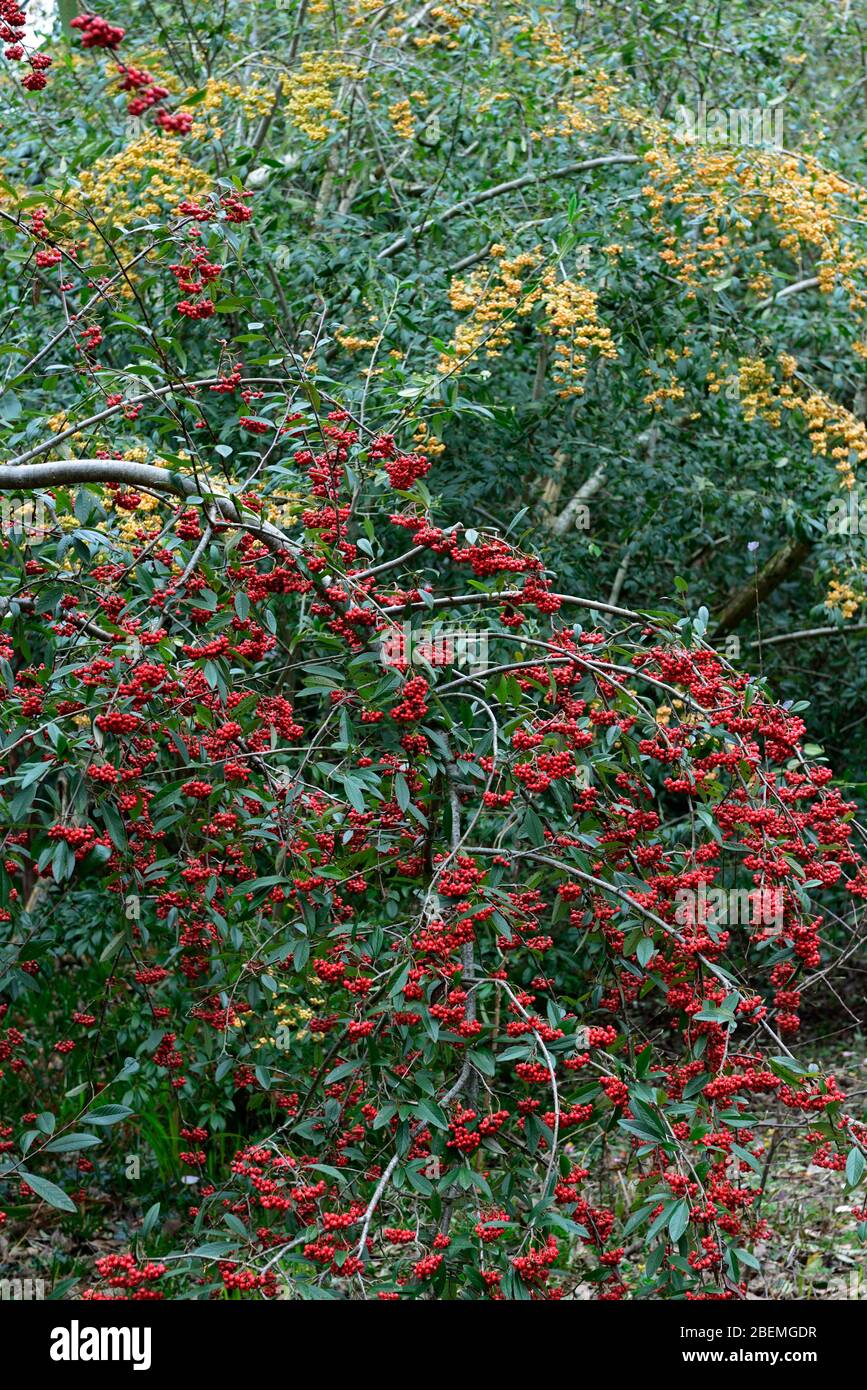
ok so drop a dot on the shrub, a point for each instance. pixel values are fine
(405, 949)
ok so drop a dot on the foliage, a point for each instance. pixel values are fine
(323, 331)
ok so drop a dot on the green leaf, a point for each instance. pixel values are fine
(108, 1114)
(113, 947)
(33, 772)
(431, 1112)
(48, 1191)
(532, 829)
(355, 793)
(484, 1061)
(70, 1143)
(645, 950)
(345, 1069)
(746, 1258)
(679, 1221)
(401, 791)
(151, 1218)
(215, 1249)
(658, 1222)
(855, 1166)
(419, 1181)
(114, 825)
(747, 1157)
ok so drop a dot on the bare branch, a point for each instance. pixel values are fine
(807, 632)
(486, 194)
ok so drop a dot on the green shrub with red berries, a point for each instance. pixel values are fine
(401, 867)
(377, 920)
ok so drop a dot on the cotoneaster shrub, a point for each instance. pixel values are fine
(330, 967)
(395, 954)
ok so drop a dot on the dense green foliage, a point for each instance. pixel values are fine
(289, 290)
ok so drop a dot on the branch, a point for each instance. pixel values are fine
(153, 393)
(808, 632)
(620, 576)
(486, 194)
(105, 414)
(374, 1202)
(512, 596)
(70, 472)
(395, 1159)
(810, 284)
(265, 125)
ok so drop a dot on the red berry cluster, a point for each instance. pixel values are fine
(12, 28)
(148, 91)
(96, 32)
(406, 469)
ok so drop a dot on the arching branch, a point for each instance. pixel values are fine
(72, 472)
